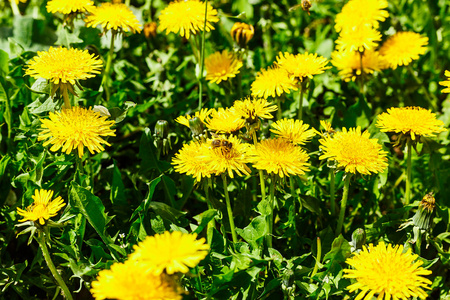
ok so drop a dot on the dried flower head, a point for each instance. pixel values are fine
(242, 33)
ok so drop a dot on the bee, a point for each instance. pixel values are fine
(222, 143)
(305, 5)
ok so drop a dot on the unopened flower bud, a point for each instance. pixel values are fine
(358, 239)
(424, 215)
(162, 129)
(196, 126)
(162, 143)
(242, 33)
(150, 29)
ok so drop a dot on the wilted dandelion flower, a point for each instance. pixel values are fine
(358, 38)
(280, 157)
(273, 82)
(446, 83)
(360, 13)
(402, 48)
(242, 33)
(301, 66)
(76, 128)
(43, 207)
(354, 151)
(225, 120)
(387, 272)
(194, 160)
(202, 114)
(294, 131)
(413, 121)
(68, 7)
(187, 17)
(170, 252)
(349, 63)
(130, 280)
(220, 66)
(252, 109)
(116, 16)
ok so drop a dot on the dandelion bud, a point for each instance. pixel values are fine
(425, 213)
(242, 33)
(161, 133)
(150, 30)
(358, 239)
(196, 126)
(162, 129)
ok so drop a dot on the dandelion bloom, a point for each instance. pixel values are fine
(187, 17)
(194, 160)
(354, 151)
(67, 7)
(76, 128)
(242, 33)
(273, 82)
(116, 16)
(302, 65)
(402, 48)
(446, 83)
(252, 109)
(225, 120)
(388, 273)
(349, 63)
(412, 120)
(170, 252)
(358, 38)
(43, 207)
(130, 280)
(293, 130)
(220, 66)
(280, 157)
(360, 13)
(63, 66)
(202, 114)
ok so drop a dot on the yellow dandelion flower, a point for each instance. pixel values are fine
(388, 273)
(130, 280)
(22, 1)
(220, 66)
(63, 66)
(187, 17)
(202, 114)
(242, 33)
(273, 82)
(446, 83)
(354, 151)
(43, 207)
(68, 7)
(360, 13)
(150, 29)
(293, 130)
(402, 48)
(329, 131)
(349, 63)
(280, 157)
(170, 252)
(231, 156)
(225, 120)
(413, 121)
(359, 38)
(76, 128)
(194, 160)
(302, 65)
(116, 16)
(252, 109)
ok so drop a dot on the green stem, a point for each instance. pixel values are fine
(343, 204)
(41, 240)
(65, 95)
(408, 173)
(270, 216)
(361, 81)
(202, 59)
(418, 244)
(261, 174)
(212, 223)
(332, 187)
(431, 98)
(279, 113)
(319, 254)
(108, 66)
(293, 193)
(8, 120)
(300, 102)
(229, 210)
(15, 8)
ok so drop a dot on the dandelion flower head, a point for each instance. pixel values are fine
(43, 207)
(301, 66)
(273, 82)
(252, 109)
(354, 151)
(225, 120)
(202, 114)
(414, 121)
(280, 157)
(402, 48)
(187, 17)
(130, 280)
(349, 63)
(76, 128)
(358, 38)
(220, 66)
(360, 13)
(116, 16)
(388, 273)
(294, 131)
(242, 33)
(62, 65)
(68, 7)
(194, 160)
(171, 252)
(446, 83)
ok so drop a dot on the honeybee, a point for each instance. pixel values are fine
(222, 143)
(305, 5)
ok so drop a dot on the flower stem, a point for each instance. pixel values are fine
(41, 240)
(65, 95)
(279, 112)
(108, 66)
(212, 223)
(361, 81)
(229, 210)
(431, 98)
(332, 187)
(202, 60)
(294, 194)
(261, 175)
(270, 216)
(318, 257)
(8, 120)
(343, 204)
(15, 8)
(408, 174)
(300, 102)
